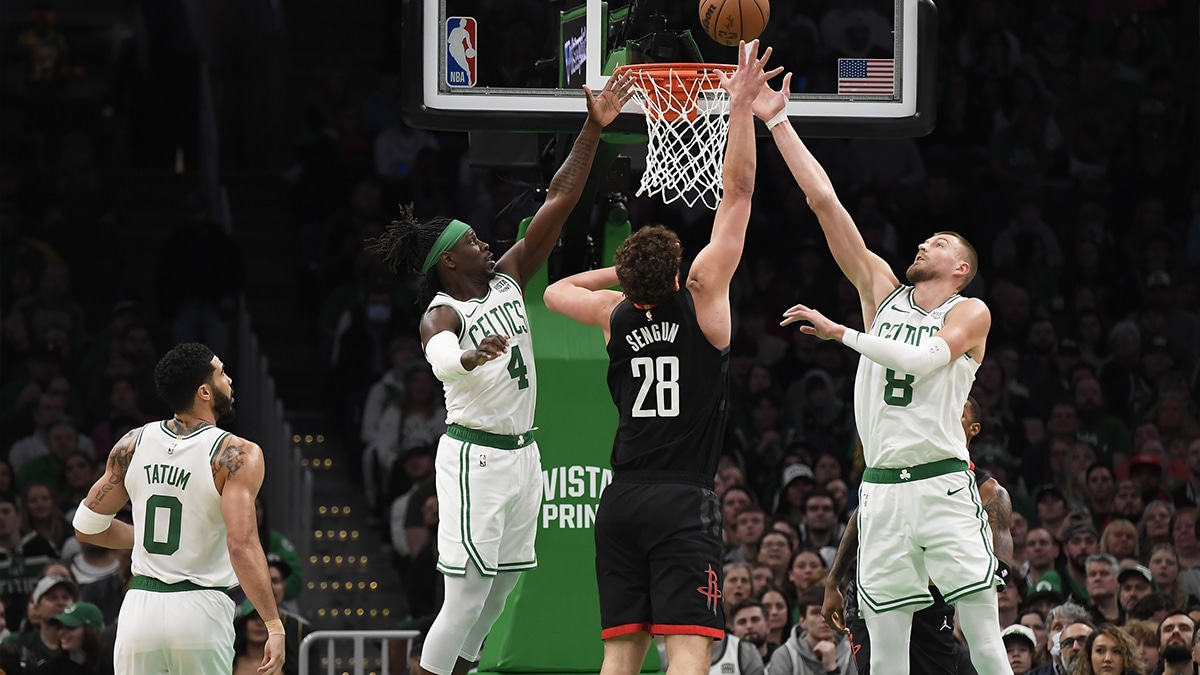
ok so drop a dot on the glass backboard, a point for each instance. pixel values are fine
(862, 68)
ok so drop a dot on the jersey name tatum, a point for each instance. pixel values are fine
(663, 331)
(505, 319)
(170, 475)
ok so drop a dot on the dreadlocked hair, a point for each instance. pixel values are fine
(404, 245)
(647, 263)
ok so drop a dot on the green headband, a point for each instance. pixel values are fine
(445, 241)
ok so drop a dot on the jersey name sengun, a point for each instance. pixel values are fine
(663, 331)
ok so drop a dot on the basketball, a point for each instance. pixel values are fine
(728, 21)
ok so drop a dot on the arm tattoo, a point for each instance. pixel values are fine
(118, 465)
(999, 512)
(231, 458)
(847, 553)
(579, 162)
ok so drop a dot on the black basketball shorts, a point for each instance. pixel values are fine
(658, 560)
(932, 650)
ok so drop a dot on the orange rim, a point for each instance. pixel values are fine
(679, 81)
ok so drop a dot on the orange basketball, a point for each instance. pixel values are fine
(728, 21)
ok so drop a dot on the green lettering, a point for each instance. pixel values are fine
(518, 326)
(517, 309)
(491, 327)
(174, 513)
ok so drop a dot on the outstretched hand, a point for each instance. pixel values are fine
(821, 326)
(769, 102)
(748, 80)
(603, 109)
(490, 347)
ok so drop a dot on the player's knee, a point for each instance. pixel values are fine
(624, 654)
(688, 654)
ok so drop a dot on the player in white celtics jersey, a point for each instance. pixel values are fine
(476, 336)
(194, 534)
(920, 516)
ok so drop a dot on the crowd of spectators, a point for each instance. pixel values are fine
(85, 312)
(1062, 152)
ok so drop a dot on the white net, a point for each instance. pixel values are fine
(687, 120)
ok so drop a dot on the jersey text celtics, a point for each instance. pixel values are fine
(499, 396)
(905, 420)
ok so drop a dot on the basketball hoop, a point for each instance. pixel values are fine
(687, 121)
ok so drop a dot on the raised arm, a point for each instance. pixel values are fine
(241, 462)
(530, 253)
(94, 521)
(586, 297)
(869, 273)
(965, 332)
(713, 268)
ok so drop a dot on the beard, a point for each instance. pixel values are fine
(755, 638)
(1176, 653)
(223, 406)
(917, 272)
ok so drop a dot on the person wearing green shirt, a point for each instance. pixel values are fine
(273, 541)
(1080, 540)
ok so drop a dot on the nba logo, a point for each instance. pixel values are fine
(461, 49)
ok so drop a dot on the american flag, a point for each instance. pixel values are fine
(866, 76)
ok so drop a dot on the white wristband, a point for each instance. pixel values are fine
(445, 356)
(88, 521)
(779, 117)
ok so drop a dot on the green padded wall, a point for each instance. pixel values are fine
(551, 623)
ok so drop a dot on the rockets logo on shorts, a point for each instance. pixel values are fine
(712, 590)
(461, 51)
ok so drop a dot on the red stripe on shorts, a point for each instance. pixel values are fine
(626, 629)
(686, 629)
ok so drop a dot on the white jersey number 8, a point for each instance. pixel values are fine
(662, 373)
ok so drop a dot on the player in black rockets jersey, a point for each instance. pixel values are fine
(658, 527)
(933, 649)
